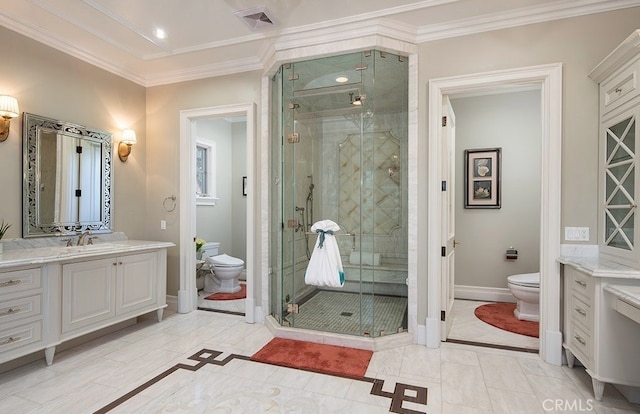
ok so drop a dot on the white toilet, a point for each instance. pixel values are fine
(526, 289)
(226, 270)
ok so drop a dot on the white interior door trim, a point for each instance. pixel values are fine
(549, 78)
(188, 292)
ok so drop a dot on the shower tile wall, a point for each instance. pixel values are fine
(389, 234)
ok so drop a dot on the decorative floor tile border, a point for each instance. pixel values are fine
(495, 346)
(401, 393)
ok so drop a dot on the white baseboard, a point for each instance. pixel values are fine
(551, 347)
(487, 294)
(432, 333)
(184, 302)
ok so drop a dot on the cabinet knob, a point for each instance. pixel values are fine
(580, 339)
(119, 263)
(9, 340)
(11, 311)
(115, 264)
(11, 282)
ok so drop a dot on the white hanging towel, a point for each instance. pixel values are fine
(325, 265)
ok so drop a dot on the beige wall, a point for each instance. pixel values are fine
(50, 83)
(510, 121)
(164, 104)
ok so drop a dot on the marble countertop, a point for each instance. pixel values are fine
(600, 267)
(48, 254)
(629, 294)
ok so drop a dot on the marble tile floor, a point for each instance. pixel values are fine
(149, 363)
(467, 327)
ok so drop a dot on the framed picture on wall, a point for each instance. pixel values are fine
(482, 178)
(244, 186)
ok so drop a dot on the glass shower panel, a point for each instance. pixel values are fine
(340, 146)
(276, 255)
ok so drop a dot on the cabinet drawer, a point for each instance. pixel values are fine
(581, 312)
(14, 310)
(582, 285)
(21, 335)
(581, 344)
(20, 280)
(620, 89)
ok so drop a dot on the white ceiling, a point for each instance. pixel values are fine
(205, 38)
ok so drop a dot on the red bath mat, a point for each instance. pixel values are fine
(241, 294)
(326, 359)
(501, 316)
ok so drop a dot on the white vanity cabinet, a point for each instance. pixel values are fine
(49, 296)
(98, 292)
(21, 312)
(88, 295)
(595, 333)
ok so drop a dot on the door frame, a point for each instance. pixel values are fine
(188, 292)
(549, 79)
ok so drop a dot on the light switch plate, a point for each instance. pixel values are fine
(576, 233)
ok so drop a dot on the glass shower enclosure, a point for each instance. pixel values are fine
(338, 152)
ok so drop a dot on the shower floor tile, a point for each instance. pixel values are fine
(342, 312)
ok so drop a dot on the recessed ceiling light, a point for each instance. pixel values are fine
(342, 79)
(160, 33)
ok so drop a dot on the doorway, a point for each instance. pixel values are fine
(504, 216)
(549, 79)
(221, 207)
(188, 293)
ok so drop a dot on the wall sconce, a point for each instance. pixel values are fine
(124, 148)
(8, 109)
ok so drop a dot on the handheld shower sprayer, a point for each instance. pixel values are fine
(310, 195)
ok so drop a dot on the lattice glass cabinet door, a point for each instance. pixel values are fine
(619, 183)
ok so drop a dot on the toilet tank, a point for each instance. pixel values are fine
(209, 249)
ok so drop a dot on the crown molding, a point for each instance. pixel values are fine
(621, 54)
(282, 48)
(205, 71)
(19, 26)
(347, 31)
(520, 17)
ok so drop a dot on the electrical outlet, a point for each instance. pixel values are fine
(576, 233)
(163, 224)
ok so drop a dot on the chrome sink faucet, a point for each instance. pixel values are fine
(82, 236)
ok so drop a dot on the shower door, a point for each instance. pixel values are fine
(333, 161)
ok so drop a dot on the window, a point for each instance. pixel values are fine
(205, 173)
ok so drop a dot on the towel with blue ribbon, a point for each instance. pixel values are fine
(325, 265)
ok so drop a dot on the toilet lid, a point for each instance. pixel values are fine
(525, 279)
(226, 260)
